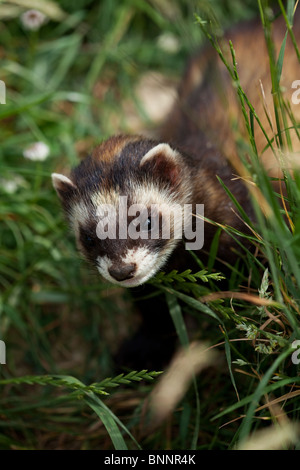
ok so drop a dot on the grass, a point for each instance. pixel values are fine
(69, 85)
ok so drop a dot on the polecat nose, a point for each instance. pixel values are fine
(122, 272)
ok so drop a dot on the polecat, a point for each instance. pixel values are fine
(178, 168)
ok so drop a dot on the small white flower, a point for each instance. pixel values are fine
(38, 151)
(168, 42)
(33, 19)
(12, 185)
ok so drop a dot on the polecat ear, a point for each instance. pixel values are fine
(163, 162)
(62, 185)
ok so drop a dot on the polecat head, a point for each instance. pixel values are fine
(119, 200)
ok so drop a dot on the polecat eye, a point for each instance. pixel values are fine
(89, 241)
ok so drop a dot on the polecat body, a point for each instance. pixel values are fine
(178, 169)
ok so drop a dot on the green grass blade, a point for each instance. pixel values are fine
(108, 420)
